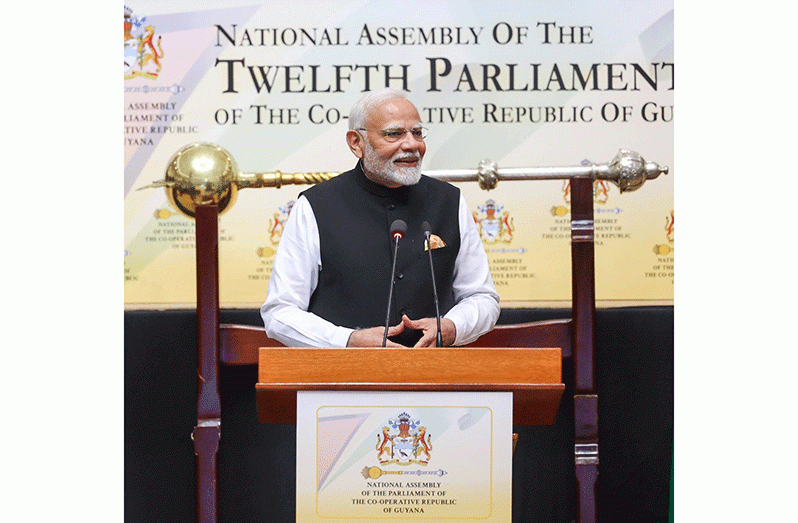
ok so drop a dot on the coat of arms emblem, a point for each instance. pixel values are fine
(143, 50)
(277, 223)
(404, 442)
(666, 248)
(495, 225)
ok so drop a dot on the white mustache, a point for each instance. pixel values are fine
(407, 156)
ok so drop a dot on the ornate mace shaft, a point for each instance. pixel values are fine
(205, 173)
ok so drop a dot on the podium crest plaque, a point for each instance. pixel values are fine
(410, 456)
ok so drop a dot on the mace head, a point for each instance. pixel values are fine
(201, 173)
(629, 171)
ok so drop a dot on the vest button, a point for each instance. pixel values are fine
(391, 207)
(400, 275)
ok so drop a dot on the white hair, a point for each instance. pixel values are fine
(360, 111)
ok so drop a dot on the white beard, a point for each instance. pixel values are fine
(387, 171)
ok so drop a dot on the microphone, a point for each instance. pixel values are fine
(426, 228)
(398, 230)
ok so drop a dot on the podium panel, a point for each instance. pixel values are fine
(534, 376)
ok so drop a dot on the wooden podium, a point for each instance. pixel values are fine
(534, 376)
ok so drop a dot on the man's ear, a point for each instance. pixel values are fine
(356, 144)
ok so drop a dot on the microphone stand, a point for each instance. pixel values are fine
(390, 292)
(398, 228)
(439, 339)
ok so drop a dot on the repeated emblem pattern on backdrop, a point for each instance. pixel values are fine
(274, 89)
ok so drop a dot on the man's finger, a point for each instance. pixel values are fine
(425, 341)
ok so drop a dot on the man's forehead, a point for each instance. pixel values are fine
(396, 112)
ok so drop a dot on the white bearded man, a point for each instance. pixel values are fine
(330, 289)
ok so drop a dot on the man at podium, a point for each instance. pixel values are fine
(330, 280)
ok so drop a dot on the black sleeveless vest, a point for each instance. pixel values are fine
(354, 215)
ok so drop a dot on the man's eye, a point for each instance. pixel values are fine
(394, 134)
(417, 133)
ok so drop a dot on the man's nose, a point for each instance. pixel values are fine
(409, 143)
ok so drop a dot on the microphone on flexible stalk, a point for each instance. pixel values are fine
(426, 228)
(398, 230)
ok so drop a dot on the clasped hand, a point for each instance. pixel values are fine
(372, 337)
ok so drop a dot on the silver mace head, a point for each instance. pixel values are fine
(629, 171)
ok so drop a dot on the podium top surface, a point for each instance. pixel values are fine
(445, 365)
(534, 375)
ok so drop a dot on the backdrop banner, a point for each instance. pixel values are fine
(540, 84)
